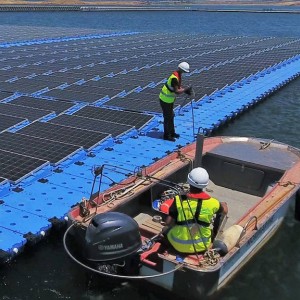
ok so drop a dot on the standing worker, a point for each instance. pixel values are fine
(193, 214)
(167, 97)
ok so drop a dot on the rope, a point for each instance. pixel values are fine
(210, 258)
(287, 183)
(265, 145)
(178, 267)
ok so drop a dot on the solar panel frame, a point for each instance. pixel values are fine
(86, 139)
(4, 95)
(3, 180)
(137, 120)
(73, 96)
(54, 152)
(135, 105)
(15, 167)
(115, 129)
(6, 122)
(32, 114)
(45, 104)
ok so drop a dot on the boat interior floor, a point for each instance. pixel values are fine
(238, 203)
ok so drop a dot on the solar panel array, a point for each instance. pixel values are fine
(91, 86)
(86, 98)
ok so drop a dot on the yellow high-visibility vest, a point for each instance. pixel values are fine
(188, 235)
(167, 93)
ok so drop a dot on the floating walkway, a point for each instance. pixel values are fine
(72, 102)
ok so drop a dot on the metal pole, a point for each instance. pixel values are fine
(199, 150)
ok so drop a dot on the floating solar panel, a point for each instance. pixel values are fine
(144, 96)
(135, 105)
(80, 137)
(115, 129)
(50, 105)
(2, 180)
(7, 122)
(68, 77)
(73, 96)
(51, 151)
(32, 114)
(25, 85)
(4, 95)
(122, 117)
(201, 91)
(58, 78)
(15, 166)
(94, 88)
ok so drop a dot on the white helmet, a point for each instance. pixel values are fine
(198, 178)
(184, 66)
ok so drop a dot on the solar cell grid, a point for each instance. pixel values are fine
(50, 105)
(51, 151)
(128, 118)
(81, 137)
(110, 87)
(58, 80)
(29, 113)
(115, 129)
(7, 122)
(36, 83)
(15, 167)
(4, 95)
(135, 79)
(11, 73)
(67, 76)
(136, 105)
(101, 70)
(147, 95)
(17, 87)
(76, 96)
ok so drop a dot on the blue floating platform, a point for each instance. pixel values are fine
(28, 208)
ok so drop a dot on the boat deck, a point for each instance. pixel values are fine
(238, 203)
(105, 85)
(260, 152)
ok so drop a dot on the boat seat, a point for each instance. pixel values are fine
(149, 224)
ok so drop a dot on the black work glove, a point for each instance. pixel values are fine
(188, 90)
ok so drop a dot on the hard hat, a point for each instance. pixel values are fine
(184, 66)
(198, 178)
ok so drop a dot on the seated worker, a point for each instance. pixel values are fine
(193, 216)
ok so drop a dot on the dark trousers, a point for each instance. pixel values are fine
(168, 114)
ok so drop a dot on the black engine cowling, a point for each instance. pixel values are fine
(111, 236)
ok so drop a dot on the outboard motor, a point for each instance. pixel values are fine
(112, 241)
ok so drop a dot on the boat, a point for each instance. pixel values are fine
(120, 232)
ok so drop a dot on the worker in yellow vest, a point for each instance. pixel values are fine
(193, 215)
(167, 97)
